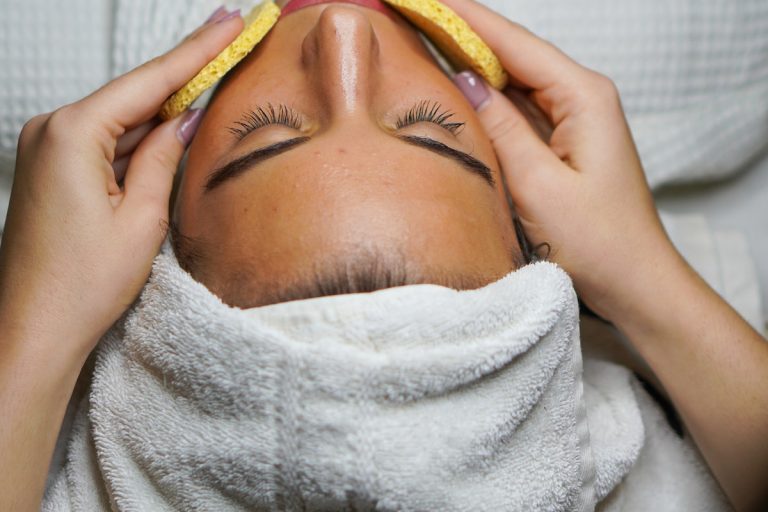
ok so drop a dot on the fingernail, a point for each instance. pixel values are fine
(233, 14)
(217, 15)
(189, 125)
(473, 87)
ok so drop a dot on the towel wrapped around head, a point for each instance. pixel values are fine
(412, 398)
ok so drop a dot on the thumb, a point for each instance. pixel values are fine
(149, 179)
(518, 146)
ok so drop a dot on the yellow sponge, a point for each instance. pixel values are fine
(454, 37)
(258, 23)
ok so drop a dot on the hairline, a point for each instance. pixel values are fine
(365, 271)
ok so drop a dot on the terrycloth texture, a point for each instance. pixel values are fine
(412, 398)
(415, 398)
(669, 474)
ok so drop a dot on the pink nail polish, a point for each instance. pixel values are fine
(217, 15)
(233, 14)
(189, 124)
(473, 87)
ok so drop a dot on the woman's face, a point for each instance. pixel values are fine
(346, 178)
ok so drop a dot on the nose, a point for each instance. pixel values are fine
(341, 54)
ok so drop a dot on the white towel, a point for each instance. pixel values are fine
(669, 475)
(411, 398)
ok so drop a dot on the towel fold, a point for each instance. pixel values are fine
(414, 398)
(411, 398)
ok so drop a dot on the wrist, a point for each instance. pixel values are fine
(646, 295)
(62, 351)
(37, 378)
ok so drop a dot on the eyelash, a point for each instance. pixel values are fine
(423, 111)
(254, 120)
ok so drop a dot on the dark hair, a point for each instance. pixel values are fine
(530, 254)
(368, 271)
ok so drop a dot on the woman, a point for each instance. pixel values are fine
(353, 165)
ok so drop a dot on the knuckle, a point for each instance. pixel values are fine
(163, 160)
(31, 129)
(71, 124)
(158, 67)
(61, 124)
(155, 155)
(502, 127)
(153, 67)
(604, 88)
(154, 63)
(195, 35)
(595, 92)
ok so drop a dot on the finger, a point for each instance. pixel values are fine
(219, 14)
(533, 114)
(530, 60)
(533, 61)
(137, 96)
(149, 179)
(131, 139)
(520, 150)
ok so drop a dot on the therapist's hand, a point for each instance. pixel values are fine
(79, 240)
(580, 187)
(583, 190)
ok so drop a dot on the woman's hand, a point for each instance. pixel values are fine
(78, 246)
(582, 190)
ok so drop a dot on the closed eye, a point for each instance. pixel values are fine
(429, 112)
(424, 111)
(264, 116)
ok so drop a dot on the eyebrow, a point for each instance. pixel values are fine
(246, 162)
